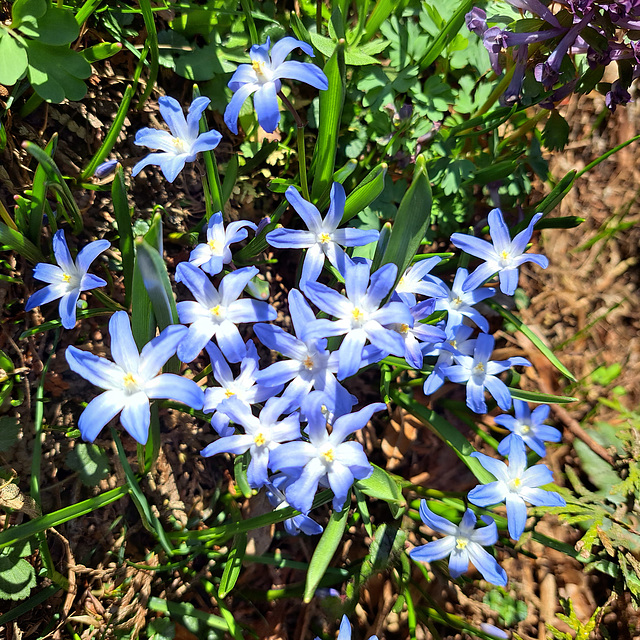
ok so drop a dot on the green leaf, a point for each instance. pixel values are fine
(122, 215)
(9, 429)
(55, 72)
(21, 9)
(17, 576)
(56, 27)
(541, 398)
(233, 565)
(331, 104)
(182, 611)
(380, 13)
(18, 243)
(91, 463)
(555, 134)
(327, 546)
(383, 486)
(365, 193)
(28, 606)
(13, 59)
(446, 432)
(411, 222)
(539, 344)
(101, 51)
(39, 193)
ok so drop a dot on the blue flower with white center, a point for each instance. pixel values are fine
(132, 380)
(457, 341)
(326, 457)
(417, 334)
(244, 387)
(479, 373)
(213, 254)
(529, 426)
(514, 485)
(214, 313)
(262, 78)
(360, 314)
(416, 279)
(463, 543)
(276, 487)
(323, 237)
(308, 366)
(67, 280)
(264, 435)
(181, 145)
(458, 301)
(503, 257)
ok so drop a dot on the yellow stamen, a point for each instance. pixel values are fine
(66, 277)
(130, 382)
(308, 362)
(504, 255)
(461, 543)
(213, 245)
(357, 314)
(256, 65)
(324, 238)
(479, 368)
(404, 328)
(328, 454)
(260, 439)
(228, 393)
(215, 311)
(524, 429)
(516, 483)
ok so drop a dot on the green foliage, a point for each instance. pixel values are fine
(9, 429)
(583, 630)
(91, 463)
(510, 610)
(17, 576)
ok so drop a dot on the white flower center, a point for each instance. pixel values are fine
(514, 485)
(478, 370)
(504, 259)
(461, 543)
(456, 302)
(181, 146)
(404, 329)
(260, 439)
(524, 429)
(328, 454)
(131, 383)
(263, 72)
(308, 363)
(357, 317)
(213, 245)
(217, 312)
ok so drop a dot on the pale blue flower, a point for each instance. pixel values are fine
(181, 145)
(323, 237)
(326, 457)
(529, 426)
(463, 543)
(132, 380)
(243, 388)
(416, 279)
(309, 364)
(214, 313)
(276, 487)
(264, 435)
(213, 254)
(479, 373)
(105, 169)
(514, 484)
(360, 314)
(67, 280)
(345, 630)
(458, 302)
(503, 257)
(263, 79)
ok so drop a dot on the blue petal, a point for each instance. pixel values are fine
(232, 284)
(304, 72)
(340, 480)
(196, 109)
(381, 282)
(101, 410)
(265, 101)
(89, 253)
(291, 239)
(49, 273)
(508, 281)
(67, 308)
(285, 46)
(173, 387)
(47, 294)
(499, 231)
(155, 353)
(279, 340)
(172, 165)
(307, 211)
(487, 565)
(195, 340)
(350, 353)
(151, 159)
(458, 562)
(199, 284)
(337, 201)
(123, 347)
(206, 141)
(499, 391)
(61, 252)
(300, 311)
(487, 494)
(474, 246)
(156, 139)
(435, 550)
(171, 111)
(516, 515)
(96, 370)
(230, 341)
(483, 273)
(436, 522)
(233, 108)
(519, 243)
(89, 281)
(542, 498)
(136, 416)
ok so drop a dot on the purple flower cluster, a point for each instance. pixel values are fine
(575, 28)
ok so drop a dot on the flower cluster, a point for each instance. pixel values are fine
(603, 31)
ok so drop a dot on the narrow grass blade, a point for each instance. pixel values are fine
(327, 546)
(111, 137)
(39, 193)
(447, 34)
(12, 535)
(411, 221)
(229, 179)
(541, 398)
(149, 519)
(523, 328)
(152, 43)
(21, 245)
(331, 104)
(380, 13)
(233, 565)
(123, 220)
(30, 604)
(446, 432)
(180, 610)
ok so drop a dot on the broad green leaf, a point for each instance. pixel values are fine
(18, 243)
(17, 577)
(352, 57)
(21, 9)
(380, 13)
(13, 59)
(56, 73)
(233, 565)
(101, 51)
(411, 222)
(327, 546)
(9, 429)
(446, 432)
(331, 104)
(383, 486)
(91, 463)
(56, 27)
(540, 345)
(365, 193)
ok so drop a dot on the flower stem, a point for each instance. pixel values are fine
(302, 157)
